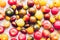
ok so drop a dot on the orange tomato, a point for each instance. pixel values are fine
(2, 4)
(30, 30)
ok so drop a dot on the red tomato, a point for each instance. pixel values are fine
(22, 36)
(37, 35)
(38, 7)
(54, 11)
(12, 2)
(26, 18)
(13, 38)
(57, 25)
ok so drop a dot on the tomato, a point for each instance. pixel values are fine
(30, 30)
(12, 2)
(37, 35)
(2, 4)
(22, 36)
(9, 12)
(26, 18)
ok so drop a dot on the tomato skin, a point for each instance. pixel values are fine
(22, 37)
(37, 35)
(2, 3)
(12, 2)
(57, 25)
(26, 18)
(54, 11)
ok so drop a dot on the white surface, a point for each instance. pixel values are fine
(7, 30)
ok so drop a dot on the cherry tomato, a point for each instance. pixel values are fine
(22, 36)
(2, 4)
(37, 35)
(12, 2)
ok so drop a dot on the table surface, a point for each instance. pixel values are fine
(7, 30)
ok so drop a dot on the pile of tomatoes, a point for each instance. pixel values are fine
(35, 20)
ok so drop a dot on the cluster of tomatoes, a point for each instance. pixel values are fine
(39, 19)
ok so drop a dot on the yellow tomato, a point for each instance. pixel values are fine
(52, 19)
(56, 3)
(17, 16)
(39, 23)
(4, 37)
(42, 2)
(20, 22)
(7, 18)
(18, 28)
(54, 36)
(14, 7)
(39, 15)
(56, 17)
(36, 2)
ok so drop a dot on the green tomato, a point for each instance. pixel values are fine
(9, 12)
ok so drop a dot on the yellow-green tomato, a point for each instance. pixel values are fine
(39, 15)
(25, 7)
(20, 22)
(36, 27)
(39, 23)
(52, 19)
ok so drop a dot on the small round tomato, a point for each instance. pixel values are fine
(13, 32)
(13, 38)
(45, 33)
(57, 25)
(38, 7)
(22, 37)
(12, 2)
(1, 29)
(46, 24)
(4, 37)
(37, 35)
(2, 4)
(45, 9)
(52, 19)
(30, 30)
(54, 10)
(51, 29)
(26, 18)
